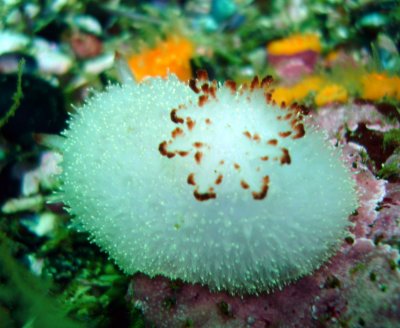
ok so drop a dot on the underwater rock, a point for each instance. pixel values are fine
(51, 59)
(12, 41)
(294, 56)
(42, 176)
(294, 66)
(85, 45)
(9, 63)
(340, 291)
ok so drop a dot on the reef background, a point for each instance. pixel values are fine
(339, 58)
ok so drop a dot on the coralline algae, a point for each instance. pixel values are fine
(213, 184)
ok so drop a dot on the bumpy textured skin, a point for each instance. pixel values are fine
(203, 193)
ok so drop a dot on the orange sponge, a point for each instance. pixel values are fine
(379, 85)
(172, 55)
(295, 44)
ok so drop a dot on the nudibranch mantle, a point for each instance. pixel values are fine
(209, 183)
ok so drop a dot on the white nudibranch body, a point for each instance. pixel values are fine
(209, 183)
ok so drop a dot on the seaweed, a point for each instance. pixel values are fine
(17, 97)
(392, 137)
(26, 300)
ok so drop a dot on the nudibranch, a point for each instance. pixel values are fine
(208, 182)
